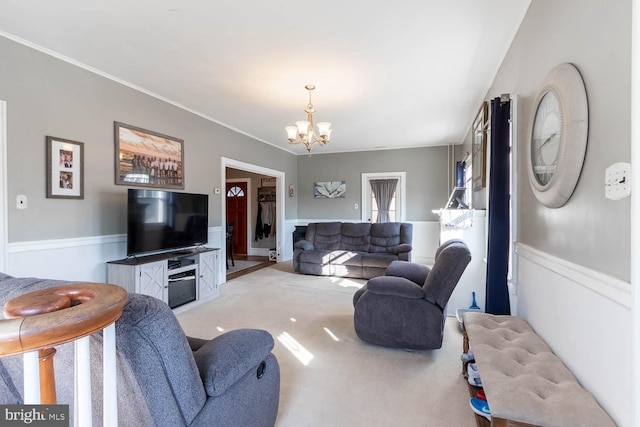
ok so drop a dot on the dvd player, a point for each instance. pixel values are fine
(181, 262)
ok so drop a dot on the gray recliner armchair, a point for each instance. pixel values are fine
(405, 308)
(163, 377)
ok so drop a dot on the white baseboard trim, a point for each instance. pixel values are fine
(610, 287)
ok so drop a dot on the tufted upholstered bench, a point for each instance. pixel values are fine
(524, 382)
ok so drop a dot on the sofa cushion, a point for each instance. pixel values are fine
(379, 260)
(356, 237)
(384, 236)
(322, 257)
(327, 235)
(354, 271)
(417, 273)
(317, 269)
(346, 258)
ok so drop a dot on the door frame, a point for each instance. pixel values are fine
(514, 208)
(226, 162)
(249, 208)
(401, 190)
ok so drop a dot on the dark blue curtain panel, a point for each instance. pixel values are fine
(497, 292)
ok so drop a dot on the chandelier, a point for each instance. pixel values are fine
(304, 130)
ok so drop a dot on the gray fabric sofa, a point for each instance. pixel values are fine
(164, 378)
(359, 250)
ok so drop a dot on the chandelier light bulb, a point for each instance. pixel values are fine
(324, 129)
(303, 127)
(292, 132)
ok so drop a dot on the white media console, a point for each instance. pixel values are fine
(177, 278)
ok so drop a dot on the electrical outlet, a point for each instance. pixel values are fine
(21, 201)
(355, 206)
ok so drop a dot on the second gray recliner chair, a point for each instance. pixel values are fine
(405, 308)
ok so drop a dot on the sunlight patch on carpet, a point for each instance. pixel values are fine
(331, 334)
(346, 283)
(300, 353)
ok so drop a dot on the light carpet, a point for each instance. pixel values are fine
(241, 265)
(329, 377)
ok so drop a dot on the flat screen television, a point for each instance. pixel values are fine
(165, 220)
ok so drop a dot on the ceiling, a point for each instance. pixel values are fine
(409, 73)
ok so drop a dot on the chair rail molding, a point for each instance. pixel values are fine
(610, 287)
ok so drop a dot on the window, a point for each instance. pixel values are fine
(235, 191)
(375, 210)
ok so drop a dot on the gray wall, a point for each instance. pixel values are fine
(595, 36)
(426, 172)
(46, 96)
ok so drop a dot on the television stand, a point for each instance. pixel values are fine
(157, 274)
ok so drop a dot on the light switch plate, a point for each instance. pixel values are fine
(617, 181)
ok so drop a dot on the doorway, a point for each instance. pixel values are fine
(280, 237)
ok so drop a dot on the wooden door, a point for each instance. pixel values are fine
(237, 213)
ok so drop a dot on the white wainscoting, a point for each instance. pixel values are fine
(585, 317)
(426, 239)
(80, 259)
(286, 250)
